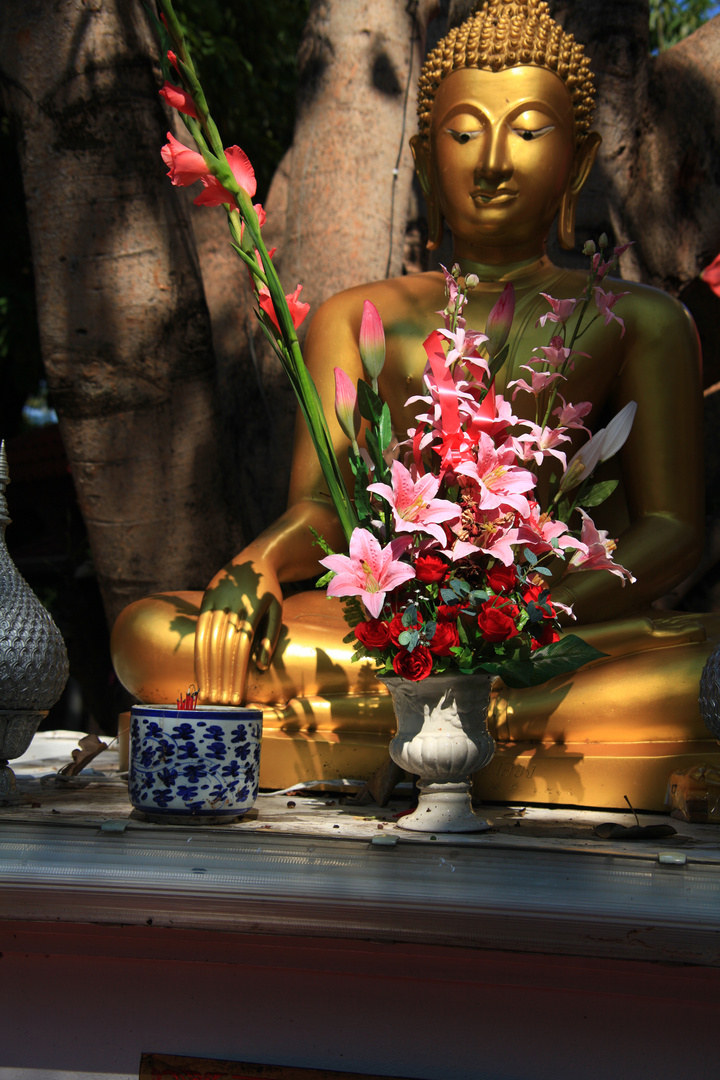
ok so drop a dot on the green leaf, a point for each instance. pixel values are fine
(560, 658)
(598, 493)
(410, 615)
(530, 556)
(385, 428)
(369, 403)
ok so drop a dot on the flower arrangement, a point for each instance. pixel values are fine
(448, 567)
(448, 548)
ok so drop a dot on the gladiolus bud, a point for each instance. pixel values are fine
(346, 405)
(372, 340)
(617, 431)
(179, 99)
(582, 464)
(500, 320)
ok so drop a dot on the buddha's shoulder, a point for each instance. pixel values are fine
(390, 296)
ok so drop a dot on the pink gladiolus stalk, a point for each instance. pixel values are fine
(372, 342)
(179, 99)
(346, 406)
(185, 166)
(298, 310)
(711, 275)
(500, 320)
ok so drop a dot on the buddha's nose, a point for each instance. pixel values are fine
(494, 162)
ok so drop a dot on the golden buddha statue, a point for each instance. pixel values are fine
(504, 147)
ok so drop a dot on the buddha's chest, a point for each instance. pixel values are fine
(590, 376)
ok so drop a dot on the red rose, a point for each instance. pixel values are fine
(449, 612)
(496, 620)
(531, 595)
(415, 665)
(546, 637)
(395, 628)
(374, 633)
(444, 638)
(502, 578)
(429, 568)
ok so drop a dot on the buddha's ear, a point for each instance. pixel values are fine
(584, 158)
(421, 155)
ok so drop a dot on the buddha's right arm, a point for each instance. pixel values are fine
(241, 612)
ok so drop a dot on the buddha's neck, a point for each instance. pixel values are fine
(499, 273)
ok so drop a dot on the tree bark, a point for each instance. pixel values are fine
(123, 321)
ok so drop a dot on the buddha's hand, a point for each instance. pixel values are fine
(240, 616)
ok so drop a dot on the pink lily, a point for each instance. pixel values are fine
(598, 552)
(215, 194)
(605, 302)
(540, 381)
(372, 341)
(540, 443)
(178, 98)
(542, 533)
(491, 533)
(298, 310)
(466, 344)
(346, 405)
(501, 483)
(570, 415)
(561, 310)
(413, 502)
(369, 571)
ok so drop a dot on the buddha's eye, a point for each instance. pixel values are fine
(462, 137)
(528, 134)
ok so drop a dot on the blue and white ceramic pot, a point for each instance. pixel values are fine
(198, 766)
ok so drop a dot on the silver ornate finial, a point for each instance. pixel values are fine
(4, 481)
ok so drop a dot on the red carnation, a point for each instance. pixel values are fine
(396, 627)
(373, 634)
(415, 665)
(502, 578)
(430, 568)
(444, 638)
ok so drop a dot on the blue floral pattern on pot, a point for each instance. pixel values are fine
(201, 764)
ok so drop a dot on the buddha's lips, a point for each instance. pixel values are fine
(500, 195)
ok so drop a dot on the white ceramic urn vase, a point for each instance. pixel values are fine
(442, 737)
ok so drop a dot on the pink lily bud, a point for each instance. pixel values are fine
(372, 340)
(617, 431)
(500, 320)
(346, 405)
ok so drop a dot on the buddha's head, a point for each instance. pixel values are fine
(505, 103)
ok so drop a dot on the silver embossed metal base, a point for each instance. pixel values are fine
(17, 727)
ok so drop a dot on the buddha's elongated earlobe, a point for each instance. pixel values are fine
(421, 155)
(584, 158)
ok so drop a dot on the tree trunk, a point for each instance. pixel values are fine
(124, 326)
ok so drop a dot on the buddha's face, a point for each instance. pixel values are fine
(502, 155)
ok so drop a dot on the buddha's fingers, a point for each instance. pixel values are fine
(233, 658)
(209, 637)
(267, 644)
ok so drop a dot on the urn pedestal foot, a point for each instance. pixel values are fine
(444, 808)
